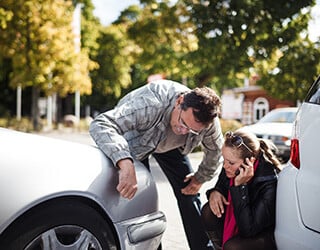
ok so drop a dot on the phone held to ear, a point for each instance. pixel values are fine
(238, 171)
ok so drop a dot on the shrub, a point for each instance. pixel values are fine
(230, 125)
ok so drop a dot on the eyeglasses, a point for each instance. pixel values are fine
(236, 140)
(184, 125)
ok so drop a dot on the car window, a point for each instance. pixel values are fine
(285, 117)
(314, 93)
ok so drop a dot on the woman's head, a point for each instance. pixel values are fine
(239, 145)
(246, 144)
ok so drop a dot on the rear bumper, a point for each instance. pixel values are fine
(290, 232)
(143, 232)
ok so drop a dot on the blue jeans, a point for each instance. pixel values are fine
(176, 166)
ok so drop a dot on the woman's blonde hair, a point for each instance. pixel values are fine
(254, 146)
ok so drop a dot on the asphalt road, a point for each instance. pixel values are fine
(174, 237)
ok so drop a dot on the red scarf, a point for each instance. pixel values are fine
(230, 227)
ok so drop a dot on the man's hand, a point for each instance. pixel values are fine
(193, 187)
(127, 186)
(217, 202)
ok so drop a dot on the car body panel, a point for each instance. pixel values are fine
(290, 231)
(307, 184)
(298, 190)
(36, 168)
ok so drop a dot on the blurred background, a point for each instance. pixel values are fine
(62, 62)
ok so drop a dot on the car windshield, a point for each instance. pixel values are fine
(283, 117)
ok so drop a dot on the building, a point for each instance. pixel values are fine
(249, 104)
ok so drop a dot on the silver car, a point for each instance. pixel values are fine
(298, 191)
(62, 195)
(277, 127)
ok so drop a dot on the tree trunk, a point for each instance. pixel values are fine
(35, 108)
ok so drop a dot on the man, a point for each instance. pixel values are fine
(167, 120)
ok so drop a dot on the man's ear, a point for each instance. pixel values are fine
(179, 101)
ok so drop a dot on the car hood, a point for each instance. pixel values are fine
(36, 168)
(281, 129)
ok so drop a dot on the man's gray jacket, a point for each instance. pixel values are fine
(134, 128)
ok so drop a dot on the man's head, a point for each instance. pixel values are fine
(195, 110)
(205, 104)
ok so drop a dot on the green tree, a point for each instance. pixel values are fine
(288, 74)
(149, 39)
(90, 28)
(115, 60)
(165, 36)
(216, 43)
(40, 41)
(234, 35)
(5, 16)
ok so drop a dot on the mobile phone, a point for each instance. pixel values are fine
(238, 171)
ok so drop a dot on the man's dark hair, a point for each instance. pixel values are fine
(206, 104)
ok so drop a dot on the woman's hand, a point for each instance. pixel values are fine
(217, 202)
(246, 172)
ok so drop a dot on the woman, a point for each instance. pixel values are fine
(240, 212)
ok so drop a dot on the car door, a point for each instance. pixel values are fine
(308, 178)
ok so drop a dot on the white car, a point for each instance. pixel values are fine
(57, 194)
(277, 127)
(298, 191)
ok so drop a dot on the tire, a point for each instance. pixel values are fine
(60, 224)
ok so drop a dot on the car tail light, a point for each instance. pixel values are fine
(294, 154)
(294, 148)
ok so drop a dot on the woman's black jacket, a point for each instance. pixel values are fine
(254, 203)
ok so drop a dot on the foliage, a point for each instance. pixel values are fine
(234, 34)
(164, 37)
(24, 124)
(90, 28)
(41, 44)
(115, 59)
(229, 125)
(220, 43)
(5, 16)
(289, 73)
(213, 43)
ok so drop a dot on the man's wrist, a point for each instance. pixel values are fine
(124, 163)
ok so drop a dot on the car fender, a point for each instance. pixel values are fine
(36, 168)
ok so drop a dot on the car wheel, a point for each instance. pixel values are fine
(61, 225)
